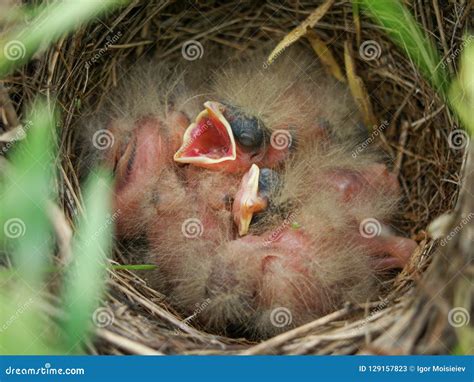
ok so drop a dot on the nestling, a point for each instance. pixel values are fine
(239, 184)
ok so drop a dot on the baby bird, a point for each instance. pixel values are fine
(239, 184)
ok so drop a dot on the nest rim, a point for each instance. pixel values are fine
(143, 322)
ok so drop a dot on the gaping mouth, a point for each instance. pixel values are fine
(209, 139)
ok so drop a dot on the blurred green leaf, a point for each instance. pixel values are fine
(24, 194)
(85, 279)
(26, 190)
(461, 93)
(25, 232)
(24, 328)
(401, 26)
(58, 18)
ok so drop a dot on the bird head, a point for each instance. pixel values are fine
(255, 196)
(224, 137)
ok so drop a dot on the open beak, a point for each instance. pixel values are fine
(209, 140)
(247, 201)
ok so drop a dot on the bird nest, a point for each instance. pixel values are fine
(414, 127)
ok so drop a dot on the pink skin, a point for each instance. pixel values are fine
(138, 163)
(393, 251)
(290, 251)
(256, 261)
(238, 166)
(350, 184)
(269, 158)
(148, 148)
(152, 154)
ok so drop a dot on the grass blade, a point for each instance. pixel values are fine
(403, 29)
(85, 280)
(25, 233)
(461, 94)
(25, 227)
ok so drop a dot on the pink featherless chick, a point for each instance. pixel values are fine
(239, 184)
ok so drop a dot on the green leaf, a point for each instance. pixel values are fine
(134, 267)
(86, 276)
(403, 29)
(461, 94)
(25, 233)
(24, 194)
